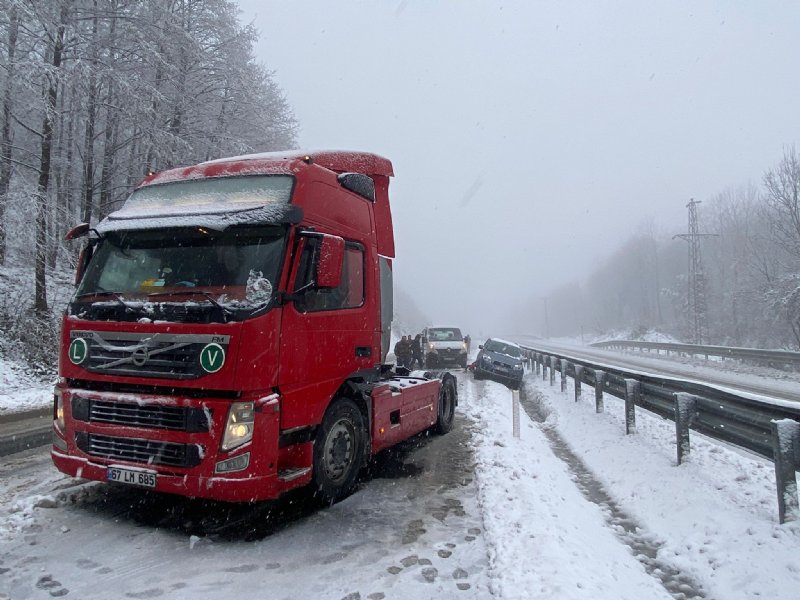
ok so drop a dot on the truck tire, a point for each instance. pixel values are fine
(446, 405)
(339, 451)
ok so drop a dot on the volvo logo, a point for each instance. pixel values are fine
(140, 356)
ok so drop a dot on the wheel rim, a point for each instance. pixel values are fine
(338, 450)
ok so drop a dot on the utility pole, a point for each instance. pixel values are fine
(696, 285)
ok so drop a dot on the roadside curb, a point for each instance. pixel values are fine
(27, 414)
(24, 430)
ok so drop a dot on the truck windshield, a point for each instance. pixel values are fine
(445, 334)
(236, 269)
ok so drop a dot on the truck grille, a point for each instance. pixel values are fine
(148, 452)
(173, 356)
(151, 416)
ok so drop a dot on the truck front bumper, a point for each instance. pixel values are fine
(215, 487)
(105, 440)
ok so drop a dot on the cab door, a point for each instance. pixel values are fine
(328, 333)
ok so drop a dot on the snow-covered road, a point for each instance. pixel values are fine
(729, 374)
(473, 514)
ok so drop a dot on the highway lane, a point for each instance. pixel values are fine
(725, 374)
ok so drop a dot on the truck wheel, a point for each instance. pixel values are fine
(447, 405)
(339, 451)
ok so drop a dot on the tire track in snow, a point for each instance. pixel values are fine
(644, 546)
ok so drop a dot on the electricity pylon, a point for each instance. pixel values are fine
(696, 286)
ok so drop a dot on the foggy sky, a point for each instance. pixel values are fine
(528, 138)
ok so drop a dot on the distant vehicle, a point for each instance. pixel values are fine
(443, 345)
(500, 360)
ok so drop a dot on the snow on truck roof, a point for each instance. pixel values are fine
(339, 161)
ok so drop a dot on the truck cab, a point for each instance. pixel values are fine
(228, 334)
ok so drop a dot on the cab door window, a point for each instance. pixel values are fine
(349, 294)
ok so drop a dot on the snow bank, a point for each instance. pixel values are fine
(19, 391)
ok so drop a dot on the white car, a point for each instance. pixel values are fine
(443, 345)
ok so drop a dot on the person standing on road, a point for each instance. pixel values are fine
(402, 351)
(416, 351)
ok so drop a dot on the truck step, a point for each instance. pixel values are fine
(291, 474)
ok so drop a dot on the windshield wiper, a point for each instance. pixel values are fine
(225, 310)
(115, 295)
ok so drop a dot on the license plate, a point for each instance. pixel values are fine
(130, 477)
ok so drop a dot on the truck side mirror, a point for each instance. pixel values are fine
(86, 252)
(78, 231)
(331, 258)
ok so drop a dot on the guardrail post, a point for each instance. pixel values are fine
(544, 367)
(564, 367)
(578, 377)
(685, 410)
(537, 359)
(631, 396)
(552, 370)
(599, 384)
(786, 448)
(515, 412)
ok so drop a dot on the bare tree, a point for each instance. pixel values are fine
(5, 141)
(782, 196)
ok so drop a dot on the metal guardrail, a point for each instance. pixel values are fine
(750, 354)
(770, 430)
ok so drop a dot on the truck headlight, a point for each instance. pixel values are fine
(239, 428)
(58, 409)
(518, 367)
(486, 358)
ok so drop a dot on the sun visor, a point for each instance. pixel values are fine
(271, 214)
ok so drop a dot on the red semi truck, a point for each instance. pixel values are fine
(228, 335)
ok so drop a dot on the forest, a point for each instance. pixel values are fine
(95, 95)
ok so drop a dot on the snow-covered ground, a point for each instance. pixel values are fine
(20, 391)
(712, 521)
(631, 525)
